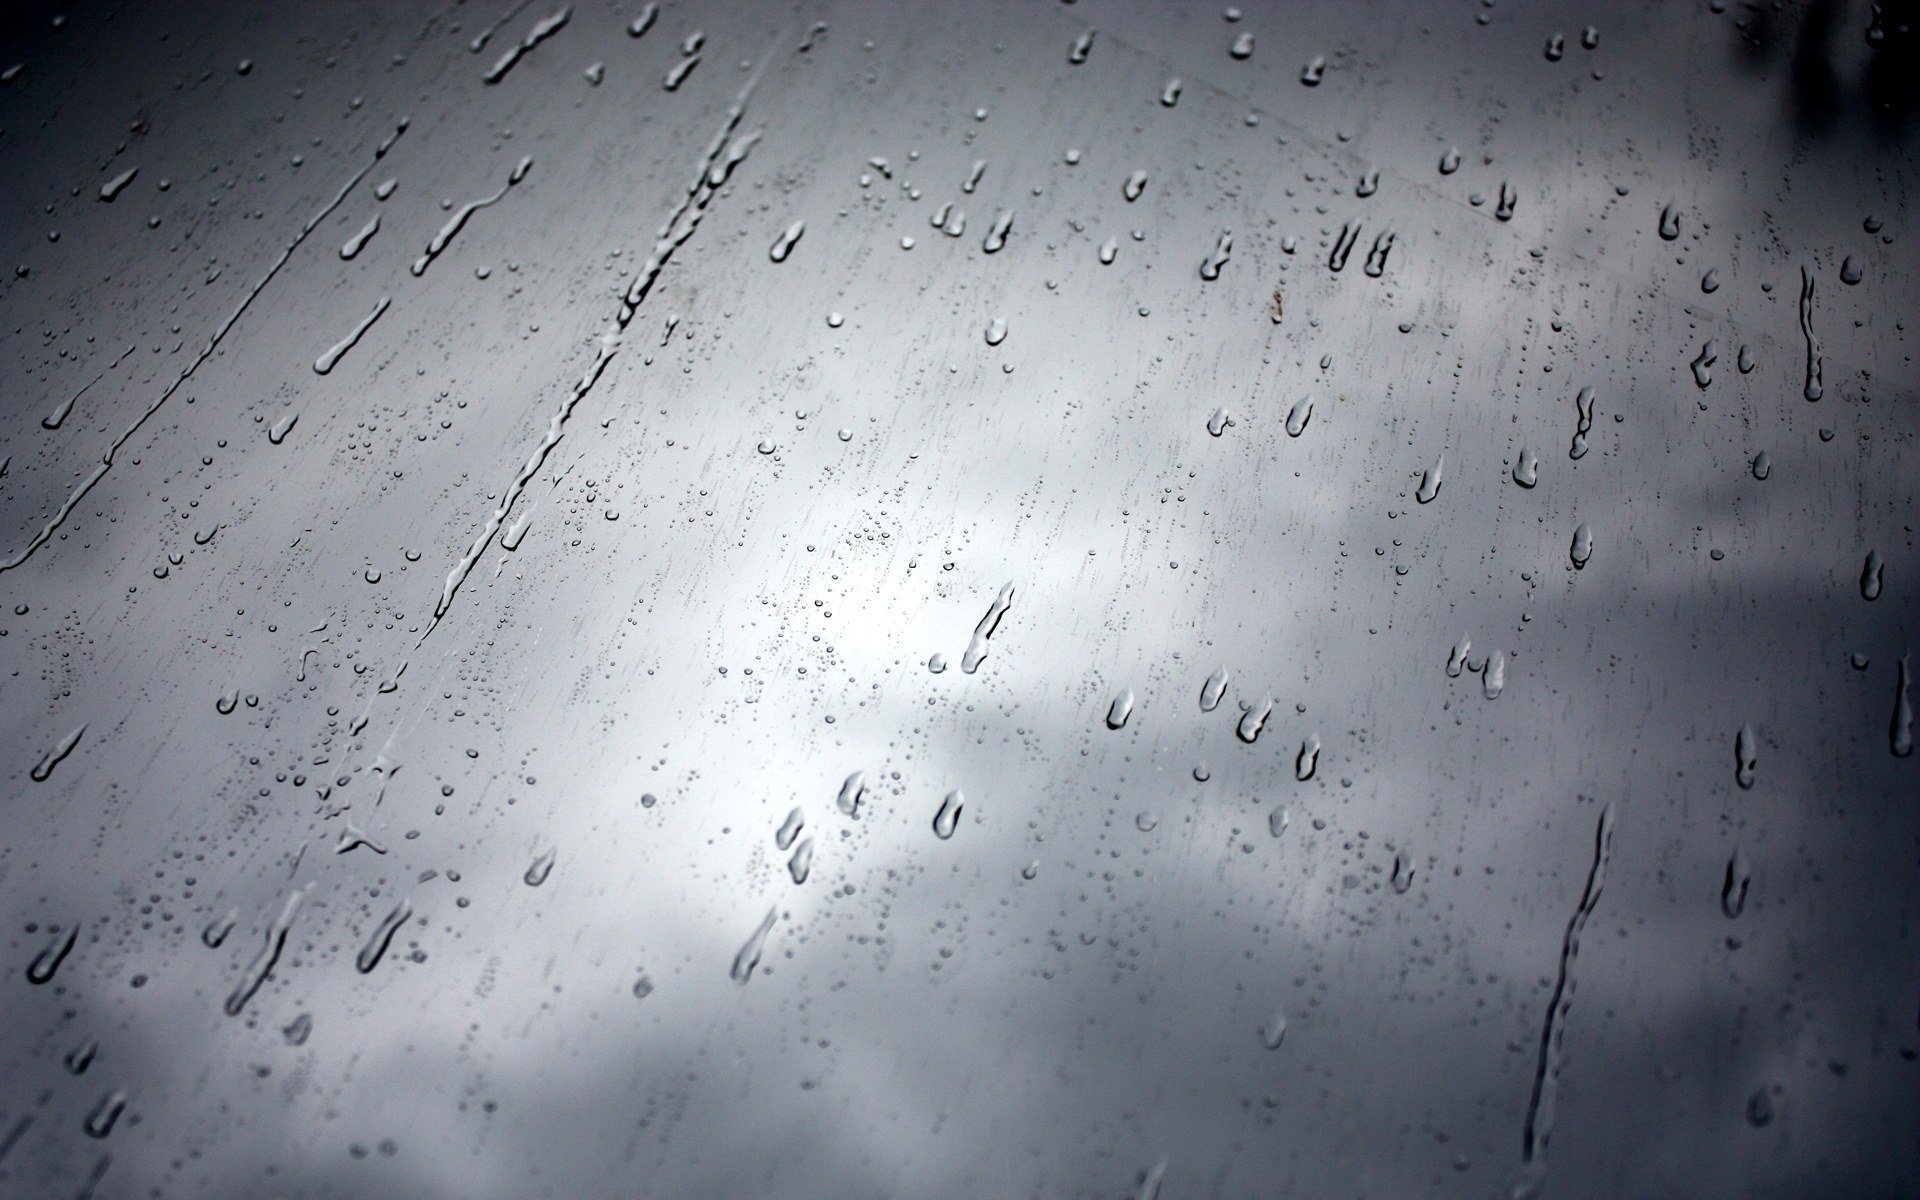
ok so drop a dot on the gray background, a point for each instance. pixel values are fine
(756, 527)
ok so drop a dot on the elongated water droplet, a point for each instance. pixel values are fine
(297, 1031)
(1870, 576)
(1403, 871)
(1308, 759)
(996, 331)
(851, 793)
(678, 75)
(1343, 244)
(1526, 468)
(643, 22)
(1556, 46)
(1669, 223)
(1108, 250)
(43, 769)
(1368, 185)
(1450, 161)
(382, 937)
(1082, 46)
(1214, 688)
(948, 818)
(1430, 481)
(802, 862)
(326, 362)
(1503, 209)
(1314, 71)
(997, 232)
(976, 652)
(1733, 890)
(1746, 749)
(789, 828)
(41, 970)
(541, 867)
(438, 244)
(281, 428)
(1702, 364)
(748, 956)
(1150, 1182)
(261, 968)
(227, 702)
(1813, 388)
(1136, 184)
(1901, 734)
(1299, 415)
(1253, 720)
(1218, 422)
(1582, 548)
(106, 1111)
(1493, 677)
(1457, 657)
(1242, 46)
(1744, 359)
(1120, 708)
(541, 31)
(1278, 820)
(1222, 250)
(354, 244)
(1376, 264)
(937, 663)
(217, 929)
(783, 245)
(1170, 95)
(1762, 465)
(78, 1059)
(1274, 1031)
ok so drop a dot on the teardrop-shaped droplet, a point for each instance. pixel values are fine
(1669, 223)
(1403, 870)
(1457, 657)
(783, 245)
(1871, 576)
(1582, 548)
(789, 828)
(1218, 422)
(1308, 759)
(1493, 677)
(1278, 820)
(948, 818)
(1430, 481)
(1526, 468)
(851, 793)
(46, 963)
(1733, 891)
(802, 862)
(748, 956)
(996, 331)
(540, 868)
(1253, 720)
(1274, 1031)
(1214, 688)
(1746, 751)
(1136, 183)
(1299, 415)
(1120, 708)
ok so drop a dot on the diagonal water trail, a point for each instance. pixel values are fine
(106, 461)
(723, 154)
(1538, 1130)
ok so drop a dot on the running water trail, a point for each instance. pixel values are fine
(722, 156)
(1546, 1072)
(106, 461)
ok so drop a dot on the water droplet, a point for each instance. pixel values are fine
(1308, 759)
(281, 428)
(1450, 161)
(1745, 756)
(644, 21)
(1314, 71)
(1030, 870)
(261, 968)
(789, 828)
(113, 186)
(1762, 465)
(1702, 375)
(948, 818)
(1253, 720)
(353, 245)
(1299, 415)
(852, 791)
(1759, 1108)
(1669, 223)
(997, 232)
(1368, 185)
(976, 652)
(1242, 46)
(1850, 271)
(1136, 184)
(1733, 890)
(44, 965)
(937, 663)
(783, 245)
(996, 331)
(326, 362)
(541, 867)
(43, 769)
(1871, 575)
(1493, 676)
(1170, 95)
(1214, 688)
(382, 936)
(1901, 734)
(1813, 388)
(1278, 820)
(1218, 422)
(1556, 46)
(1108, 249)
(78, 1059)
(678, 75)
(1274, 1031)
(1222, 250)
(801, 863)
(1403, 871)
(1430, 481)
(1710, 282)
(1526, 468)
(1582, 548)
(748, 956)
(1508, 198)
(1343, 245)
(106, 1111)
(1082, 46)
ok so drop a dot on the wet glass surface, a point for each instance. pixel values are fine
(994, 598)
